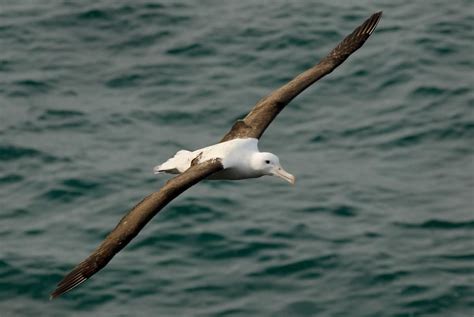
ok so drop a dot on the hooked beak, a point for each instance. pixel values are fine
(280, 172)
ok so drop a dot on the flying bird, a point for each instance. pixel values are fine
(236, 156)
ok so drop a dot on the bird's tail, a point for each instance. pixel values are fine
(175, 165)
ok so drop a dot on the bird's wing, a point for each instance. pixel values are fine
(133, 222)
(263, 113)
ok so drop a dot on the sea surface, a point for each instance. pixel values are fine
(93, 94)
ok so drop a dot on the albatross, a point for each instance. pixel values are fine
(236, 156)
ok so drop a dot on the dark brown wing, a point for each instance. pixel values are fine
(255, 123)
(133, 222)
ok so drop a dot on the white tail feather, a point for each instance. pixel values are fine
(175, 165)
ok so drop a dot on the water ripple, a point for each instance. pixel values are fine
(299, 266)
(438, 224)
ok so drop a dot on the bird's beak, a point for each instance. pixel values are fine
(280, 172)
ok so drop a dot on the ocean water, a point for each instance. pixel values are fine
(380, 222)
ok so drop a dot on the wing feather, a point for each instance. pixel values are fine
(263, 113)
(133, 222)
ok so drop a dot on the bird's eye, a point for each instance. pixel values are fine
(267, 161)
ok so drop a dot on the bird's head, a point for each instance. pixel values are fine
(269, 164)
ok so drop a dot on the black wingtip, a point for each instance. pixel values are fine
(76, 277)
(354, 41)
(66, 285)
(374, 21)
(369, 25)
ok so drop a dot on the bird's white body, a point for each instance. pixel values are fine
(241, 159)
(236, 158)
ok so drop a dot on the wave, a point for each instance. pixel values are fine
(438, 224)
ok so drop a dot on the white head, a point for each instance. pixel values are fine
(269, 164)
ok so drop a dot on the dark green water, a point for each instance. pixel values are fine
(380, 222)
